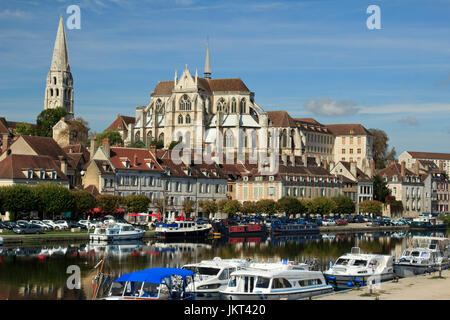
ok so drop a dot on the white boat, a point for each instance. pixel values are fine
(182, 229)
(116, 231)
(211, 276)
(423, 254)
(358, 269)
(275, 281)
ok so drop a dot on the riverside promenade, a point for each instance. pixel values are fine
(421, 287)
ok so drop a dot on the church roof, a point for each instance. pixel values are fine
(164, 88)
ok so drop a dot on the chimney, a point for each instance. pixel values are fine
(63, 161)
(441, 166)
(304, 160)
(135, 160)
(292, 160)
(353, 169)
(403, 165)
(6, 142)
(416, 167)
(325, 164)
(92, 148)
(284, 159)
(106, 147)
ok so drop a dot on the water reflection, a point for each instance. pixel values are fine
(39, 272)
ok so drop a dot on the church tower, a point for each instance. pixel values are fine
(59, 88)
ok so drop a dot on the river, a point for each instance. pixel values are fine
(40, 271)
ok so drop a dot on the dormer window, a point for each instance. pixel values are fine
(271, 178)
(30, 174)
(54, 175)
(42, 174)
(245, 178)
(127, 164)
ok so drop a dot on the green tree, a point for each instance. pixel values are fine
(249, 207)
(188, 207)
(208, 206)
(54, 199)
(113, 136)
(82, 202)
(110, 203)
(17, 199)
(371, 206)
(380, 189)
(290, 206)
(47, 119)
(320, 205)
(137, 203)
(232, 207)
(344, 205)
(137, 144)
(267, 206)
(157, 143)
(24, 129)
(381, 155)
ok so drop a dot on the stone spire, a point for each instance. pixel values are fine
(59, 85)
(207, 72)
(60, 60)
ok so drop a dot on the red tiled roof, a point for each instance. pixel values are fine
(13, 165)
(347, 129)
(360, 175)
(44, 146)
(395, 169)
(309, 120)
(121, 122)
(281, 119)
(138, 159)
(429, 155)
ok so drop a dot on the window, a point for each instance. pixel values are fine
(233, 106)
(271, 191)
(180, 119)
(359, 150)
(279, 283)
(185, 103)
(310, 282)
(359, 140)
(243, 106)
(343, 140)
(30, 174)
(351, 140)
(188, 119)
(351, 151)
(221, 104)
(262, 282)
(343, 151)
(245, 192)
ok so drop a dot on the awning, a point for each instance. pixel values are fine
(154, 275)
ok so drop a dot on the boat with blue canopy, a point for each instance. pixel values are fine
(153, 284)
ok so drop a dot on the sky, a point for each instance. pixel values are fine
(315, 59)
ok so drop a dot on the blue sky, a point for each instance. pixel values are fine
(312, 58)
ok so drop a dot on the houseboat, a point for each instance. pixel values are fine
(211, 276)
(358, 269)
(182, 229)
(423, 254)
(240, 229)
(427, 221)
(279, 227)
(152, 284)
(275, 282)
(116, 231)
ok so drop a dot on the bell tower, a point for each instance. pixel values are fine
(59, 85)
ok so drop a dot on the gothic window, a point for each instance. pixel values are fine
(221, 105)
(159, 105)
(188, 119)
(51, 92)
(292, 139)
(229, 139)
(57, 92)
(233, 106)
(180, 119)
(149, 136)
(185, 103)
(137, 136)
(54, 80)
(284, 139)
(161, 137)
(243, 106)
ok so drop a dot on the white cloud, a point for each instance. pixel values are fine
(329, 107)
(409, 121)
(407, 108)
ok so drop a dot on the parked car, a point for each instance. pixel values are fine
(62, 224)
(76, 224)
(44, 225)
(28, 229)
(22, 223)
(341, 222)
(328, 222)
(9, 225)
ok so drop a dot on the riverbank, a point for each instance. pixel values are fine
(422, 287)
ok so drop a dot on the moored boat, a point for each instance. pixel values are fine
(427, 221)
(240, 229)
(278, 227)
(182, 229)
(358, 269)
(211, 276)
(152, 284)
(275, 282)
(116, 231)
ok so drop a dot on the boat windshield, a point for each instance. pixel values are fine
(342, 261)
(232, 282)
(406, 253)
(206, 271)
(117, 288)
(262, 282)
(360, 263)
(415, 253)
(425, 255)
